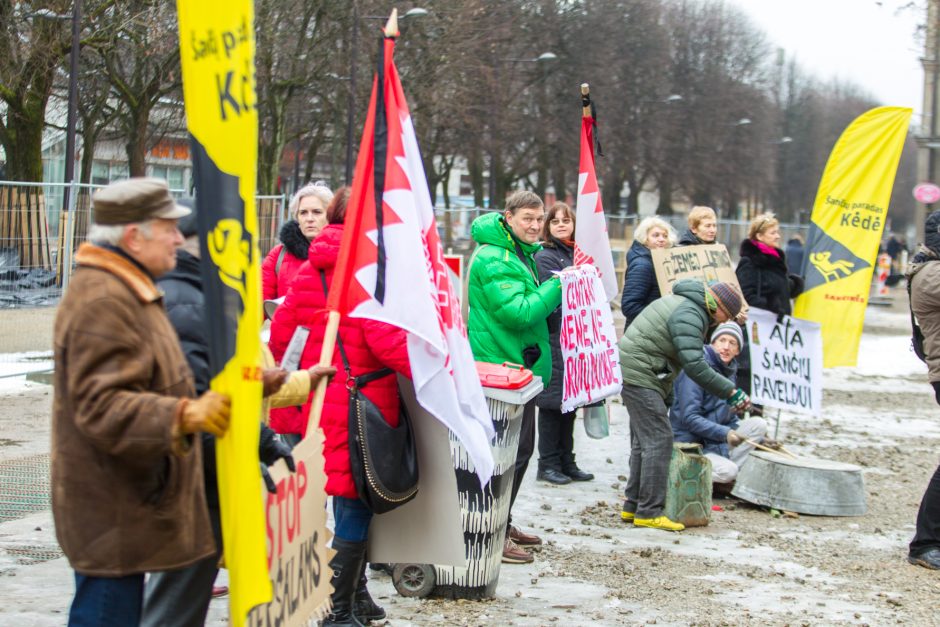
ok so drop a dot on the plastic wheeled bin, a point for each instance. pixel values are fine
(483, 512)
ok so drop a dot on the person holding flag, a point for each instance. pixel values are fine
(370, 346)
(509, 310)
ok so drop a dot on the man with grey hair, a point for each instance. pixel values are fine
(126, 468)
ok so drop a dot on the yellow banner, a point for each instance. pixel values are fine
(217, 50)
(848, 219)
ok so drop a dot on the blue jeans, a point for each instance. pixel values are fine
(351, 519)
(107, 601)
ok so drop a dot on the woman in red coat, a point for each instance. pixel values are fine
(308, 217)
(370, 346)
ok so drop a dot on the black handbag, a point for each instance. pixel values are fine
(383, 459)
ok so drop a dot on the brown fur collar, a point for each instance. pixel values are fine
(138, 282)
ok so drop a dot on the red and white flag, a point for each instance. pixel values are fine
(391, 267)
(591, 243)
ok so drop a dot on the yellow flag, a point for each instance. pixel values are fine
(217, 50)
(848, 219)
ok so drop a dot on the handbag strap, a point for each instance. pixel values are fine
(363, 379)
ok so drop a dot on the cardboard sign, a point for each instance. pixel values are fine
(588, 340)
(786, 362)
(297, 538)
(707, 263)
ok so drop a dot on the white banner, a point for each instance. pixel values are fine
(588, 341)
(786, 362)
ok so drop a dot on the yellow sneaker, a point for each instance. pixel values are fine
(660, 522)
(627, 516)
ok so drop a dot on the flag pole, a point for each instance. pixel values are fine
(333, 317)
(586, 101)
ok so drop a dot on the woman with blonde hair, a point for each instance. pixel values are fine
(703, 227)
(640, 287)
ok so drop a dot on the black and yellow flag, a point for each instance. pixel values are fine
(217, 49)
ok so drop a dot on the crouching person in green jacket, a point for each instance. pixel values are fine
(509, 312)
(665, 338)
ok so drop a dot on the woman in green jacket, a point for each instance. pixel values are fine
(509, 310)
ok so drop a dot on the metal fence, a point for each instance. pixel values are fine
(38, 239)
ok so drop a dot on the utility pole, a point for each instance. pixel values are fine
(928, 140)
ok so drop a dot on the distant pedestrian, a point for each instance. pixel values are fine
(703, 227)
(126, 463)
(640, 286)
(794, 251)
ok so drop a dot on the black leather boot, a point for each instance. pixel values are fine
(365, 609)
(571, 470)
(347, 566)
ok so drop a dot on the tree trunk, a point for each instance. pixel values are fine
(137, 140)
(24, 157)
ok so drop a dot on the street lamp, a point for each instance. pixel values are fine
(353, 53)
(786, 139)
(545, 57)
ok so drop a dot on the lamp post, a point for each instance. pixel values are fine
(545, 57)
(353, 54)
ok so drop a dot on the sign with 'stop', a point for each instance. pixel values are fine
(786, 362)
(297, 538)
(590, 361)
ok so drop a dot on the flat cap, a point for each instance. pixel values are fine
(135, 200)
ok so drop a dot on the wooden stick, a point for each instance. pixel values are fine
(326, 359)
(768, 449)
(782, 448)
(585, 91)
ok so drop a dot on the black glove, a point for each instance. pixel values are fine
(268, 481)
(936, 390)
(271, 449)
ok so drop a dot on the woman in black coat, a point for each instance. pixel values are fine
(762, 271)
(765, 280)
(556, 429)
(640, 287)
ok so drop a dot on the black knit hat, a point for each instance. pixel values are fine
(932, 232)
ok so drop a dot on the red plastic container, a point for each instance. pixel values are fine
(505, 376)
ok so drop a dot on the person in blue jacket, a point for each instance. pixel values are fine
(640, 287)
(705, 419)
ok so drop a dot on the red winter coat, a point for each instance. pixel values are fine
(370, 346)
(274, 284)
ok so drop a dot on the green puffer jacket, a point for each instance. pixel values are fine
(508, 308)
(668, 337)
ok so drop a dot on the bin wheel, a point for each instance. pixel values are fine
(414, 580)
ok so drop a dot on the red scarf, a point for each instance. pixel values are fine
(767, 250)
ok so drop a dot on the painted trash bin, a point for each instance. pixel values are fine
(483, 512)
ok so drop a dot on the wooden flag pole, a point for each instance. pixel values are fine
(586, 100)
(326, 359)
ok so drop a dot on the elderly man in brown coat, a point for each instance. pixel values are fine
(126, 470)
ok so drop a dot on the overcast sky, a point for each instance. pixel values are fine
(866, 41)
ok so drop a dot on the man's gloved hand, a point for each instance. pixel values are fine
(272, 379)
(734, 438)
(268, 481)
(936, 390)
(271, 449)
(209, 414)
(739, 401)
(318, 372)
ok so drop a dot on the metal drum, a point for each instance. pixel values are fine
(805, 485)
